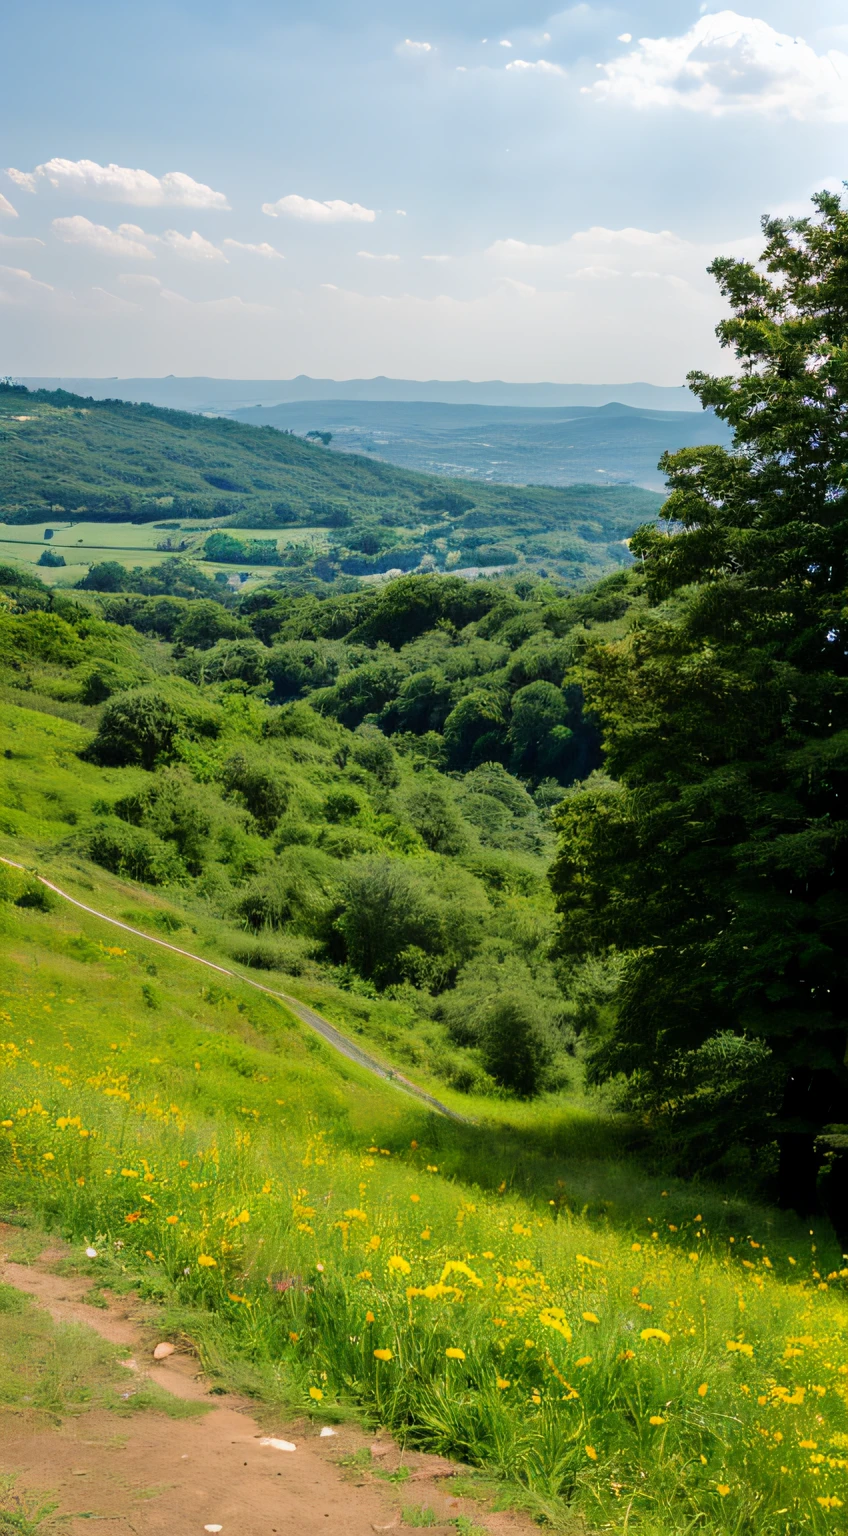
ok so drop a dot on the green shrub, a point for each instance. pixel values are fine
(261, 786)
(134, 852)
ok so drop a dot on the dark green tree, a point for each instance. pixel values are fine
(717, 862)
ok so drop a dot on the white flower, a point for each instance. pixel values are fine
(91, 1253)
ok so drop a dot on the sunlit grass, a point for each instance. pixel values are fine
(514, 1293)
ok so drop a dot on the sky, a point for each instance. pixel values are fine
(452, 189)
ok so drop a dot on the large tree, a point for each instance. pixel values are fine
(714, 857)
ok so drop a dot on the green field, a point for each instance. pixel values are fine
(132, 544)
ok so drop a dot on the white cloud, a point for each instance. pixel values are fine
(139, 280)
(21, 179)
(436, 258)
(21, 283)
(413, 49)
(120, 184)
(541, 66)
(20, 240)
(333, 211)
(401, 213)
(730, 63)
(124, 241)
(192, 246)
(256, 250)
(625, 37)
(377, 256)
(6, 207)
(505, 42)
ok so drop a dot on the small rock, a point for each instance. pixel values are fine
(213, 1527)
(161, 1352)
(326, 1433)
(379, 1450)
(277, 1445)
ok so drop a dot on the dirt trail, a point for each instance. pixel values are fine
(307, 1015)
(165, 1477)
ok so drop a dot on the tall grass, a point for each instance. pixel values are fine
(657, 1361)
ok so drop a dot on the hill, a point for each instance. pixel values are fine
(205, 394)
(320, 1239)
(65, 458)
(611, 444)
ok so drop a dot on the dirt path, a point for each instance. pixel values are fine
(307, 1015)
(164, 1477)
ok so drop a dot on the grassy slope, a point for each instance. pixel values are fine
(181, 1123)
(65, 455)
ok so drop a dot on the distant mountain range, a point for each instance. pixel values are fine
(612, 444)
(202, 394)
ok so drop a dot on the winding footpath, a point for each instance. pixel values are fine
(302, 1011)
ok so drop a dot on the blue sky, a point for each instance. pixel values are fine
(453, 190)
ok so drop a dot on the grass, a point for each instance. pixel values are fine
(132, 544)
(53, 1371)
(652, 1360)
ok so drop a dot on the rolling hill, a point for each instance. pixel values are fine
(64, 457)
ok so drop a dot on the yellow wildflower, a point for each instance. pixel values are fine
(206, 1262)
(656, 1333)
(455, 1354)
(591, 1453)
(591, 1317)
(316, 1394)
(382, 1354)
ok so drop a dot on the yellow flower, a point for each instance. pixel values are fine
(172, 1220)
(399, 1266)
(456, 1267)
(584, 1360)
(536, 1399)
(554, 1317)
(128, 1173)
(591, 1317)
(703, 1389)
(656, 1333)
(364, 1274)
(316, 1394)
(723, 1489)
(580, 1258)
(829, 1501)
(426, 1235)
(656, 1418)
(294, 1337)
(742, 1349)
(591, 1453)
(502, 1384)
(808, 1445)
(373, 1242)
(206, 1262)
(635, 1247)
(369, 1317)
(382, 1354)
(7, 1124)
(455, 1354)
(415, 1199)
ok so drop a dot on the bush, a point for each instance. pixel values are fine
(385, 911)
(514, 1043)
(259, 785)
(298, 893)
(134, 852)
(430, 807)
(139, 726)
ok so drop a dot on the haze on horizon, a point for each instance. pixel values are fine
(429, 191)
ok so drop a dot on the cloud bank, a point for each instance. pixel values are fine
(120, 184)
(6, 207)
(333, 211)
(729, 63)
(124, 241)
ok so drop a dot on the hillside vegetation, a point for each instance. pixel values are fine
(574, 859)
(64, 457)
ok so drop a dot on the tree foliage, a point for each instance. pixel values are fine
(717, 862)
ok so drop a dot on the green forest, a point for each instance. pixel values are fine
(569, 856)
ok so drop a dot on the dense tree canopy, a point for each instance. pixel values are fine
(717, 859)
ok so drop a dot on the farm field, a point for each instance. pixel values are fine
(132, 544)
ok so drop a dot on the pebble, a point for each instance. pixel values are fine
(161, 1352)
(326, 1433)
